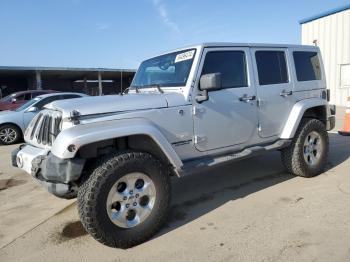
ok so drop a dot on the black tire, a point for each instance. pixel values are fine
(93, 193)
(293, 155)
(18, 134)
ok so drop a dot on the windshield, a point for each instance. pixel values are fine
(166, 70)
(7, 98)
(27, 104)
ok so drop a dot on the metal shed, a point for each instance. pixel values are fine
(331, 32)
(92, 81)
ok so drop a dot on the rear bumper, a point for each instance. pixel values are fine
(55, 174)
(331, 118)
(330, 123)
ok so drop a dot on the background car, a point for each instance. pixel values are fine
(17, 99)
(13, 123)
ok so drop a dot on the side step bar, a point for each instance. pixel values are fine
(191, 166)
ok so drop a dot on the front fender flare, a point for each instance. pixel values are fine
(297, 113)
(84, 134)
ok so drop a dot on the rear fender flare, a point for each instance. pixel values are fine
(296, 114)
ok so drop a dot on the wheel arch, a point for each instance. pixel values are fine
(13, 124)
(93, 140)
(310, 108)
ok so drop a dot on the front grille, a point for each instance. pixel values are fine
(44, 128)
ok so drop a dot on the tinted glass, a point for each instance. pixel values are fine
(27, 96)
(272, 67)
(27, 104)
(70, 96)
(7, 98)
(307, 66)
(231, 65)
(46, 101)
(20, 97)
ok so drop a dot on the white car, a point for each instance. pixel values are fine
(14, 122)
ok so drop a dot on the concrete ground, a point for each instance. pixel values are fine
(250, 210)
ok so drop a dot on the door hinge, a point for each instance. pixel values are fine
(197, 110)
(258, 102)
(199, 139)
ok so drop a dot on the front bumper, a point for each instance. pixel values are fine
(57, 175)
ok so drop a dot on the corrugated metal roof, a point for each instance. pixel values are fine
(327, 13)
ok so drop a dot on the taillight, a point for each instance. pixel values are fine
(328, 95)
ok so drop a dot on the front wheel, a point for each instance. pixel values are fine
(307, 155)
(125, 200)
(9, 134)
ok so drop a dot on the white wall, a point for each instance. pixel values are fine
(333, 37)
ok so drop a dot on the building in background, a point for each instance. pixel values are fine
(92, 81)
(331, 32)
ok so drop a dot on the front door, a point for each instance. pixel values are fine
(229, 116)
(274, 89)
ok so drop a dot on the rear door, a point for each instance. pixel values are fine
(274, 89)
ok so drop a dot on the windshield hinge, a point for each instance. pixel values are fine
(196, 110)
(199, 139)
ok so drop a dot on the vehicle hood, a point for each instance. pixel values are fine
(117, 103)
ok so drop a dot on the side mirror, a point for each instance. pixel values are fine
(14, 100)
(33, 109)
(210, 82)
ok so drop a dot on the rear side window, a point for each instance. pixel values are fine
(70, 96)
(46, 101)
(272, 67)
(231, 65)
(20, 97)
(307, 66)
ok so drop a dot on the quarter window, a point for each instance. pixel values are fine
(307, 66)
(231, 65)
(272, 67)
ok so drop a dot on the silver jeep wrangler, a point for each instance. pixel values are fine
(185, 110)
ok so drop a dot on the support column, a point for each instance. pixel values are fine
(99, 83)
(85, 88)
(38, 84)
(121, 81)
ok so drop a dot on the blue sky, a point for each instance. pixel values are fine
(120, 34)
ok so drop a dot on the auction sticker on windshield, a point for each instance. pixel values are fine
(184, 56)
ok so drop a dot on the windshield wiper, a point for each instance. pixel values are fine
(156, 86)
(149, 86)
(136, 89)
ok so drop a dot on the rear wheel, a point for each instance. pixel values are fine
(9, 134)
(125, 200)
(307, 155)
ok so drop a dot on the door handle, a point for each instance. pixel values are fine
(246, 98)
(285, 93)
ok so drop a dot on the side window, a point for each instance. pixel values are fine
(28, 96)
(46, 101)
(307, 66)
(272, 67)
(231, 65)
(20, 97)
(70, 96)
